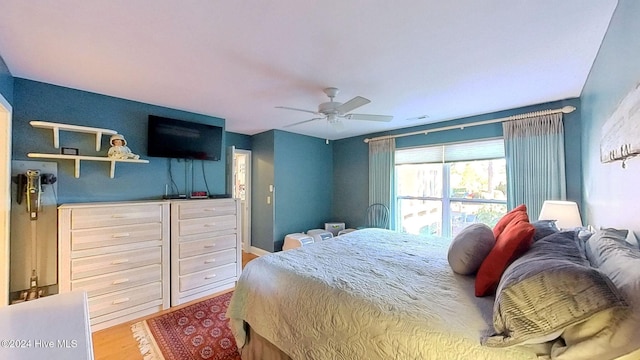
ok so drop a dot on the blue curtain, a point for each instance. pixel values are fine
(534, 150)
(382, 174)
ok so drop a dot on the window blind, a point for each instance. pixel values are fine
(465, 151)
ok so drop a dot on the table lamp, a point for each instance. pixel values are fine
(565, 213)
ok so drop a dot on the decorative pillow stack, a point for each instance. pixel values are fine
(550, 289)
(610, 251)
(514, 235)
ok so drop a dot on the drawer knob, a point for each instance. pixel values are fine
(210, 209)
(119, 281)
(210, 276)
(210, 225)
(121, 235)
(119, 301)
(209, 261)
(118, 216)
(119, 261)
(209, 246)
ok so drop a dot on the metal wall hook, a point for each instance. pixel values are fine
(624, 160)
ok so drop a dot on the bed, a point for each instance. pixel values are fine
(368, 294)
(396, 298)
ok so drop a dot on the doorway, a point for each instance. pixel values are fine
(5, 196)
(240, 171)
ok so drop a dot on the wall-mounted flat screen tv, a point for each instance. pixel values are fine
(180, 139)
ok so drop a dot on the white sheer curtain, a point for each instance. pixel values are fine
(534, 149)
(381, 173)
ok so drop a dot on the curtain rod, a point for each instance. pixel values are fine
(565, 110)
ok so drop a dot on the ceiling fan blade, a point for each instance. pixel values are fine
(303, 122)
(384, 118)
(352, 104)
(296, 109)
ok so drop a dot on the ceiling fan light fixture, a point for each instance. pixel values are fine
(333, 112)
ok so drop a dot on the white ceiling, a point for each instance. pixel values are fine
(239, 59)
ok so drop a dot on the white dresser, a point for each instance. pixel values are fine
(206, 249)
(119, 254)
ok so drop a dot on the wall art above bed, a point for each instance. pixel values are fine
(621, 132)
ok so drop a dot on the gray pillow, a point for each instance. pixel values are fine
(609, 251)
(469, 248)
(549, 289)
(544, 228)
(625, 234)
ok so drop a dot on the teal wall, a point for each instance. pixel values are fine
(262, 214)
(351, 166)
(40, 101)
(303, 180)
(315, 182)
(240, 141)
(611, 192)
(6, 82)
(350, 181)
(304, 164)
(300, 169)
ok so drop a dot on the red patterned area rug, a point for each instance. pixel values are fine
(198, 331)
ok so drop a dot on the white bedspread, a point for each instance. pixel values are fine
(369, 294)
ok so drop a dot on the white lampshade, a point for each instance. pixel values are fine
(565, 213)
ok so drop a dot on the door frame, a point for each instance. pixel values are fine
(5, 194)
(246, 231)
(231, 179)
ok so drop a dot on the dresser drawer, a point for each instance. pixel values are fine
(119, 261)
(117, 235)
(105, 304)
(207, 245)
(204, 262)
(84, 218)
(200, 209)
(206, 225)
(104, 284)
(207, 277)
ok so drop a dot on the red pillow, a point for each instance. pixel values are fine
(514, 241)
(507, 218)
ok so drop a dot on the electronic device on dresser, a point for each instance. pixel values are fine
(180, 139)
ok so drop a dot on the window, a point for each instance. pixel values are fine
(442, 189)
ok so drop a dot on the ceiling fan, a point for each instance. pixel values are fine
(334, 111)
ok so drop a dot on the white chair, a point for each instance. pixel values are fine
(377, 216)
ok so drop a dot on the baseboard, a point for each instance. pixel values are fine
(257, 251)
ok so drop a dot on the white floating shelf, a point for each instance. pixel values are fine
(77, 159)
(56, 127)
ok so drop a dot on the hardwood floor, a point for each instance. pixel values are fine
(117, 342)
(246, 257)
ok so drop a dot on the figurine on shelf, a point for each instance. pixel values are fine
(119, 148)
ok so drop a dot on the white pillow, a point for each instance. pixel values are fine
(631, 239)
(469, 248)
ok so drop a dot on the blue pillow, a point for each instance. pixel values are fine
(544, 228)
